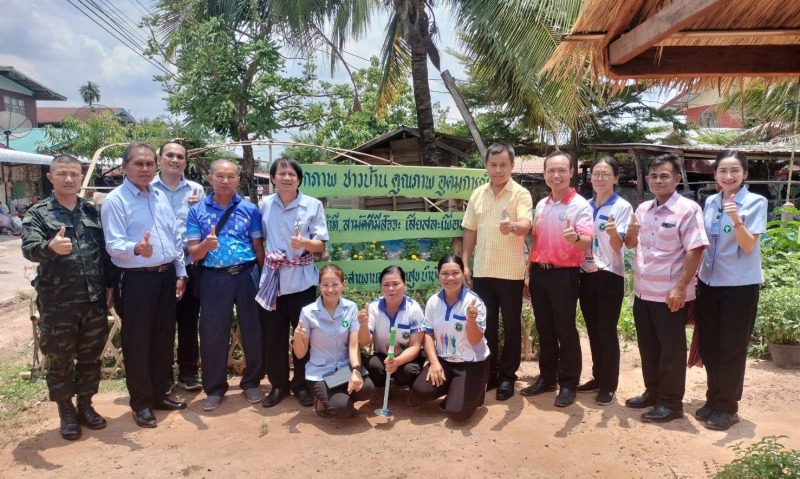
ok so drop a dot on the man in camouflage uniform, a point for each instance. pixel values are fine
(64, 235)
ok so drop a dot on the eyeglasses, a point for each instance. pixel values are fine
(330, 285)
(449, 275)
(602, 176)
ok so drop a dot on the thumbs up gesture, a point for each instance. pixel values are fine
(143, 247)
(472, 311)
(60, 244)
(363, 316)
(570, 235)
(505, 222)
(633, 227)
(730, 209)
(611, 227)
(300, 330)
(297, 241)
(193, 198)
(211, 240)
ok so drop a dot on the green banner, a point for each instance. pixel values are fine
(365, 274)
(352, 226)
(408, 181)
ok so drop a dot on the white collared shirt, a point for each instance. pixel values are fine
(408, 320)
(448, 325)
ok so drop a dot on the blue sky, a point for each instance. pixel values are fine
(54, 43)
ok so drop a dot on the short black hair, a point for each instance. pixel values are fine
(666, 158)
(176, 141)
(392, 269)
(557, 153)
(127, 154)
(497, 148)
(450, 258)
(283, 161)
(724, 154)
(64, 159)
(610, 161)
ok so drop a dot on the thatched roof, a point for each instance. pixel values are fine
(680, 43)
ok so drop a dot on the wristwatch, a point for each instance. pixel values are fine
(739, 223)
(184, 278)
(355, 368)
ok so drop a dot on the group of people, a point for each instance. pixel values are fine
(165, 254)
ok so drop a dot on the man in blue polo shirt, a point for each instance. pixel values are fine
(182, 194)
(232, 258)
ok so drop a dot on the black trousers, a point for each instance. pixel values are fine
(725, 319)
(464, 384)
(337, 402)
(187, 317)
(601, 295)
(661, 336)
(554, 294)
(404, 376)
(502, 296)
(146, 304)
(277, 326)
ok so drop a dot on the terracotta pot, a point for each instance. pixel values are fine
(786, 355)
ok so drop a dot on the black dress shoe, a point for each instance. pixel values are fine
(537, 388)
(304, 398)
(661, 414)
(275, 397)
(565, 397)
(647, 399)
(704, 412)
(505, 390)
(722, 421)
(167, 404)
(69, 429)
(145, 418)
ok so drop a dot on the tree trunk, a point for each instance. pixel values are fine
(247, 184)
(422, 91)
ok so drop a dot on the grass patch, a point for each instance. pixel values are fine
(113, 385)
(17, 395)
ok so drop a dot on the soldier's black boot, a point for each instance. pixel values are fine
(70, 429)
(87, 415)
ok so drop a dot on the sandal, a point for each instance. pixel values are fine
(323, 413)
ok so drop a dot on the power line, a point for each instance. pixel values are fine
(157, 65)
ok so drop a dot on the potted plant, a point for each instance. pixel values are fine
(778, 323)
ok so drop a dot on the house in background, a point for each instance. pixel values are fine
(22, 172)
(701, 109)
(49, 115)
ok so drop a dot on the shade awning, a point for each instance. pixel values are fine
(13, 156)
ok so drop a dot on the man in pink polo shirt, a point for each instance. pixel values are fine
(669, 248)
(562, 232)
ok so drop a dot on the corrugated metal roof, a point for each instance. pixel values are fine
(13, 156)
(40, 92)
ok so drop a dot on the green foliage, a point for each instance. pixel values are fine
(337, 253)
(766, 459)
(339, 124)
(778, 319)
(17, 395)
(717, 137)
(368, 251)
(411, 250)
(626, 328)
(439, 248)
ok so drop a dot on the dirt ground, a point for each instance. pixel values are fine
(522, 437)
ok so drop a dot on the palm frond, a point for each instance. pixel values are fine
(395, 65)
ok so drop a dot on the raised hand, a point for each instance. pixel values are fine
(363, 316)
(211, 240)
(570, 235)
(611, 227)
(300, 330)
(472, 311)
(730, 209)
(633, 227)
(505, 222)
(143, 247)
(193, 198)
(297, 240)
(60, 244)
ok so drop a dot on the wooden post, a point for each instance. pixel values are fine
(450, 83)
(637, 162)
(683, 173)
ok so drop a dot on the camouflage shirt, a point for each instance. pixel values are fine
(85, 273)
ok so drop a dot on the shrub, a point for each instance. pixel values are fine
(778, 319)
(766, 459)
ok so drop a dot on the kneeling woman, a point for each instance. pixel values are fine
(396, 309)
(329, 327)
(455, 319)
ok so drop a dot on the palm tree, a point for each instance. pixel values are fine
(90, 93)
(773, 109)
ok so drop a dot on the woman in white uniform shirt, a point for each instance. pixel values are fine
(329, 328)
(393, 308)
(602, 284)
(455, 321)
(727, 293)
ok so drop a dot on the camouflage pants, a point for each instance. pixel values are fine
(72, 337)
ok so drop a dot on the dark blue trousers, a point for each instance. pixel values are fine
(220, 292)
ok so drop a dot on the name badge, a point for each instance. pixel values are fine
(714, 229)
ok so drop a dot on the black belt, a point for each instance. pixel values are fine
(549, 266)
(235, 269)
(151, 269)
